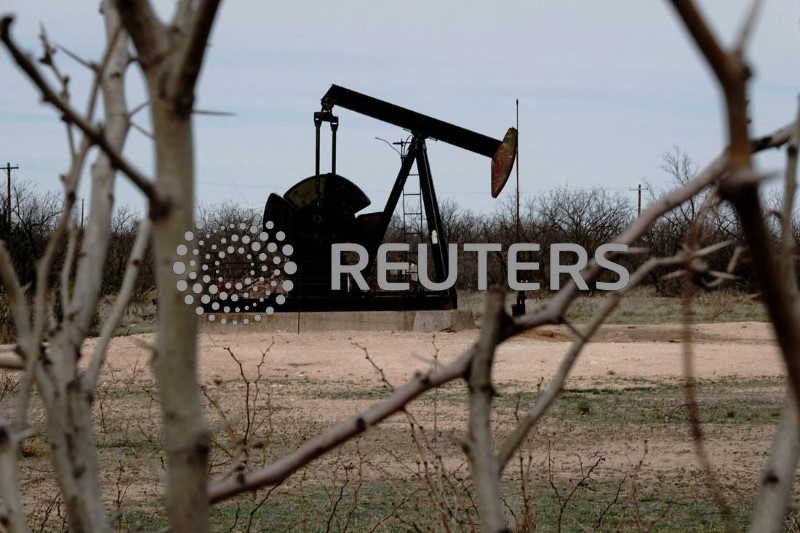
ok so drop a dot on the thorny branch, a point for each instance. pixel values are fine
(484, 464)
(741, 190)
(689, 274)
(53, 366)
(120, 304)
(94, 133)
(190, 57)
(778, 476)
(551, 313)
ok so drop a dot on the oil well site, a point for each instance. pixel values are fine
(431, 267)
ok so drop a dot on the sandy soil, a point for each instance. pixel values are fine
(316, 379)
(725, 350)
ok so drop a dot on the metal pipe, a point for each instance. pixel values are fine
(334, 127)
(317, 124)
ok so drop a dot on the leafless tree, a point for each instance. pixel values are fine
(170, 56)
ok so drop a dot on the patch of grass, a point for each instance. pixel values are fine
(398, 506)
(644, 306)
(351, 392)
(125, 391)
(719, 402)
(584, 407)
(34, 447)
(657, 511)
(141, 520)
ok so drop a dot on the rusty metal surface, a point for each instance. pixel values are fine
(503, 161)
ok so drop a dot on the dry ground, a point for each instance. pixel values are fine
(623, 409)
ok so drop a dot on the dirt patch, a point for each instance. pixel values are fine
(745, 333)
(623, 395)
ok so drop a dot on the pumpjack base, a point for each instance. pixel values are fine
(377, 301)
(366, 301)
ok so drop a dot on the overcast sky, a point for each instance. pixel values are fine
(605, 88)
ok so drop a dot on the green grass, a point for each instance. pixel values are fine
(401, 502)
(755, 401)
(398, 508)
(656, 511)
(405, 502)
(644, 306)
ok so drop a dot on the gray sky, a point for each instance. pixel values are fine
(605, 89)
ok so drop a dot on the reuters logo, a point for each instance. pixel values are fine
(239, 267)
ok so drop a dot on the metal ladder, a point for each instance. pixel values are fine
(413, 225)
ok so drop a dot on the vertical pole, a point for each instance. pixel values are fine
(639, 204)
(298, 303)
(334, 127)
(82, 201)
(517, 165)
(8, 193)
(317, 124)
(8, 169)
(638, 190)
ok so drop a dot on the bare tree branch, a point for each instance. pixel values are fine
(732, 75)
(747, 25)
(543, 403)
(167, 54)
(711, 174)
(147, 32)
(54, 368)
(66, 270)
(190, 57)
(788, 246)
(485, 467)
(551, 313)
(110, 77)
(100, 70)
(703, 36)
(695, 237)
(14, 515)
(11, 361)
(95, 134)
(777, 480)
(16, 298)
(120, 304)
(341, 432)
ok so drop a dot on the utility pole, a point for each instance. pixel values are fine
(517, 165)
(518, 309)
(639, 190)
(8, 168)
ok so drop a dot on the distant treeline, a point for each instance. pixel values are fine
(588, 217)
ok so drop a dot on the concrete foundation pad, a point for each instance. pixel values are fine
(320, 321)
(425, 321)
(451, 320)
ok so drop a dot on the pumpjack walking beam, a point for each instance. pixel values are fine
(502, 153)
(410, 120)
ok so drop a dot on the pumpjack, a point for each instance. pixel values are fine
(326, 208)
